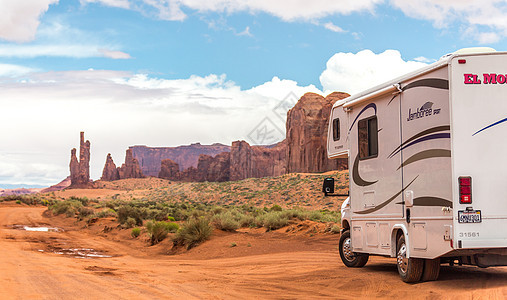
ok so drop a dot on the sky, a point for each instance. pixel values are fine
(176, 72)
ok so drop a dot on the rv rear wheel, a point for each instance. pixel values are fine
(349, 258)
(410, 269)
(431, 269)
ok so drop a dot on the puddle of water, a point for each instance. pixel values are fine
(81, 253)
(37, 228)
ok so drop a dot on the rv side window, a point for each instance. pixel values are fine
(336, 129)
(368, 137)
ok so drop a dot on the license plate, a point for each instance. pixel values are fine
(469, 216)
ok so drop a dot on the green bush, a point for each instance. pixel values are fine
(274, 220)
(135, 232)
(106, 213)
(171, 218)
(126, 211)
(193, 232)
(276, 207)
(68, 207)
(335, 229)
(84, 212)
(131, 222)
(225, 221)
(157, 231)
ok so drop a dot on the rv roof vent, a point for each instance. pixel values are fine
(472, 50)
(475, 50)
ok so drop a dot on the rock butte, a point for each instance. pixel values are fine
(303, 150)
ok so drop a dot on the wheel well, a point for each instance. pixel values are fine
(345, 225)
(397, 232)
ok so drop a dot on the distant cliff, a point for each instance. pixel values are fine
(150, 158)
(304, 150)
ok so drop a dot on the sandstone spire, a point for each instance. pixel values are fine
(80, 170)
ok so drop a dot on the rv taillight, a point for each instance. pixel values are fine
(465, 189)
(462, 61)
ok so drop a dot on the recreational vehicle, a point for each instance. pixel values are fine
(427, 156)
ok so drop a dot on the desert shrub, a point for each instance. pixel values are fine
(84, 212)
(131, 222)
(157, 231)
(106, 213)
(135, 232)
(335, 229)
(171, 218)
(84, 201)
(248, 221)
(18, 201)
(67, 207)
(276, 207)
(193, 232)
(274, 220)
(323, 217)
(126, 211)
(225, 221)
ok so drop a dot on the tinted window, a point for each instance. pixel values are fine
(336, 129)
(368, 137)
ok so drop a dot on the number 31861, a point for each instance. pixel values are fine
(468, 234)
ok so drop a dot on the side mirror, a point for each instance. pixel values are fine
(328, 186)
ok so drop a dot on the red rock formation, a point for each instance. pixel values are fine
(150, 158)
(306, 134)
(130, 169)
(59, 186)
(80, 170)
(110, 171)
(169, 170)
(256, 161)
(215, 168)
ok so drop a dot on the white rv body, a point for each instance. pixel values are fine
(430, 127)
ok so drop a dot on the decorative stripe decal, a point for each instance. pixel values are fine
(356, 177)
(429, 82)
(367, 211)
(371, 105)
(425, 132)
(432, 201)
(489, 126)
(425, 155)
(425, 138)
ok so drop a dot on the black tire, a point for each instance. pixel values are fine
(349, 258)
(410, 269)
(431, 269)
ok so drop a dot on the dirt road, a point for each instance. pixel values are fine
(35, 265)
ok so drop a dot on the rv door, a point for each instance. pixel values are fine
(338, 138)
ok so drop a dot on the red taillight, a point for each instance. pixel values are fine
(462, 61)
(465, 190)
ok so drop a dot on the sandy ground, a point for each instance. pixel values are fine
(271, 265)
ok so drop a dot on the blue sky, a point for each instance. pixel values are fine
(172, 72)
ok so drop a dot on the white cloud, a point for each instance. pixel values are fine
(113, 3)
(46, 112)
(352, 73)
(333, 27)
(474, 14)
(14, 70)
(114, 54)
(56, 39)
(245, 32)
(19, 19)
(287, 10)
(488, 37)
(424, 59)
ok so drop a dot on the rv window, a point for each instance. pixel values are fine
(336, 129)
(368, 137)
